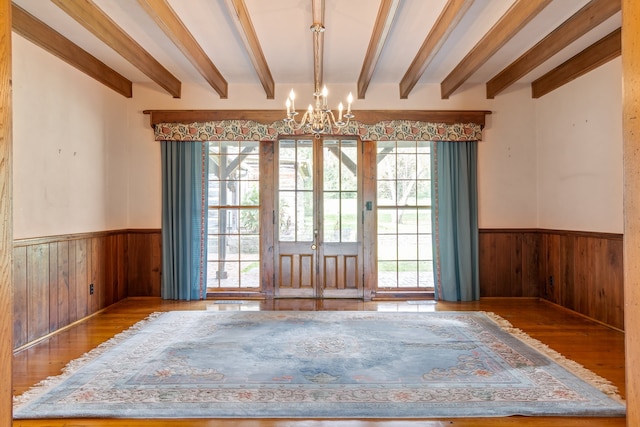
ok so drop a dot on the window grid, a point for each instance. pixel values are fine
(233, 256)
(405, 259)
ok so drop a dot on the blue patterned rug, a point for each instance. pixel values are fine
(209, 364)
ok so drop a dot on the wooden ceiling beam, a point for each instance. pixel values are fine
(591, 15)
(599, 53)
(384, 20)
(518, 15)
(165, 17)
(238, 10)
(449, 18)
(317, 7)
(86, 13)
(55, 43)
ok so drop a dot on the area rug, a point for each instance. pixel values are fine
(211, 364)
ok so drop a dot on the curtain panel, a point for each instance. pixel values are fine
(184, 226)
(454, 218)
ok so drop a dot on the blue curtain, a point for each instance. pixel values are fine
(184, 226)
(454, 218)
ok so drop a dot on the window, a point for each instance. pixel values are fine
(405, 259)
(233, 251)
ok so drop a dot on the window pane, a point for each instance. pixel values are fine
(406, 192)
(407, 220)
(212, 247)
(387, 247)
(424, 193)
(229, 195)
(406, 146)
(424, 221)
(387, 274)
(214, 169)
(212, 221)
(214, 193)
(386, 165)
(407, 274)
(387, 221)
(232, 276)
(250, 274)
(423, 169)
(408, 247)
(386, 193)
(425, 274)
(249, 193)
(425, 249)
(406, 165)
(250, 247)
(232, 242)
(249, 221)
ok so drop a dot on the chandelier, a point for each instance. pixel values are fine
(318, 119)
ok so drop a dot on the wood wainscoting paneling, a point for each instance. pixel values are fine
(145, 263)
(509, 263)
(53, 277)
(581, 271)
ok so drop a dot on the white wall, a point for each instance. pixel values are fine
(85, 159)
(579, 128)
(70, 171)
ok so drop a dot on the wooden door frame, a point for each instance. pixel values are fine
(268, 178)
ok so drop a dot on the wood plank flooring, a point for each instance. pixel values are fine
(597, 347)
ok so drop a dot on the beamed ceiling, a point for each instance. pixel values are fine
(221, 43)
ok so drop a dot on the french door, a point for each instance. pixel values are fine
(318, 219)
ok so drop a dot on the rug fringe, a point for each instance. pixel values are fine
(70, 368)
(602, 384)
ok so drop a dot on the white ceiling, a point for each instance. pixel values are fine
(282, 27)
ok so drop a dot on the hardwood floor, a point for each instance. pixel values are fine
(597, 347)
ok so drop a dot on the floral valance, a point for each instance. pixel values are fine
(249, 130)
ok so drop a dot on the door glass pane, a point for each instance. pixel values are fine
(296, 213)
(305, 217)
(349, 216)
(331, 166)
(349, 159)
(339, 193)
(331, 216)
(286, 215)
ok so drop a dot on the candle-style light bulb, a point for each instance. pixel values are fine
(340, 107)
(349, 101)
(292, 97)
(288, 104)
(325, 92)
